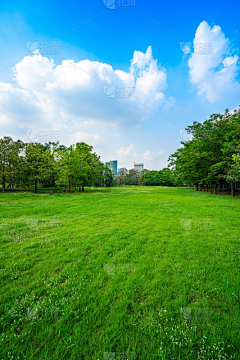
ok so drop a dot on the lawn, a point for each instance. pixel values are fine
(119, 273)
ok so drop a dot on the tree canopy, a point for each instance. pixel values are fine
(51, 164)
(211, 157)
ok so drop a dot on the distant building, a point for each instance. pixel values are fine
(138, 167)
(112, 166)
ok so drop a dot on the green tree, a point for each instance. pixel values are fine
(108, 176)
(207, 158)
(234, 172)
(36, 164)
(9, 160)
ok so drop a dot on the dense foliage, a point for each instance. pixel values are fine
(211, 157)
(34, 164)
(164, 177)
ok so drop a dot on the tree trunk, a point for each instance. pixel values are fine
(207, 187)
(211, 187)
(196, 187)
(200, 188)
(3, 184)
(232, 189)
(79, 189)
(69, 186)
(214, 186)
(82, 188)
(53, 184)
(218, 188)
(35, 187)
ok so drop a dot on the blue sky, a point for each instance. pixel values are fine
(59, 57)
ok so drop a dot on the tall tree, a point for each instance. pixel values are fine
(36, 164)
(207, 158)
(9, 156)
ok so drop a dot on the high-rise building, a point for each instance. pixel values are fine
(112, 166)
(138, 167)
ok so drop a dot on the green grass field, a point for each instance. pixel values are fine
(120, 273)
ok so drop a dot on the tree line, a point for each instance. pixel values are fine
(210, 158)
(164, 177)
(50, 165)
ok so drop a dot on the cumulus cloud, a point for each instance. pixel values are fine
(125, 151)
(49, 95)
(89, 138)
(154, 160)
(213, 66)
(127, 155)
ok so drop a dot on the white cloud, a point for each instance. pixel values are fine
(127, 155)
(169, 104)
(89, 138)
(125, 151)
(213, 66)
(147, 155)
(51, 95)
(154, 160)
(70, 98)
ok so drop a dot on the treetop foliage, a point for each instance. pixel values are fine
(50, 164)
(211, 156)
